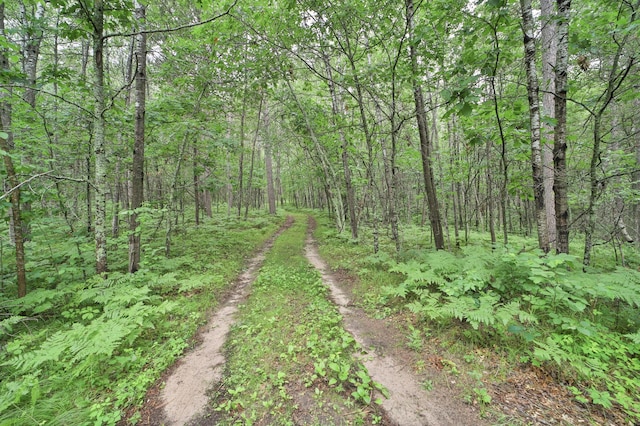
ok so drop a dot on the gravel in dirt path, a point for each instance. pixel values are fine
(408, 403)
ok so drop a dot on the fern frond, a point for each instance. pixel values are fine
(634, 337)
(505, 314)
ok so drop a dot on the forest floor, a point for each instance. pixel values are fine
(417, 396)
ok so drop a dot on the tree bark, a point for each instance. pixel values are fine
(364, 123)
(615, 79)
(172, 198)
(31, 53)
(31, 47)
(268, 162)
(560, 181)
(425, 142)
(99, 138)
(490, 209)
(332, 190)
(256, 135)
(229, 184)
(137, 166)
(336, 108)
(635, 130)
(6, 144)
(196, 184)
(241, 196)
(115, 199)
(549, 52)
(534, 120)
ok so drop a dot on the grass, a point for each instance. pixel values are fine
(288, 356)
(549, 317)
(81, 351)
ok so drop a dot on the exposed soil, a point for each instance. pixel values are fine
(181, 396)
(182, 393)
(389, 363)
(526, 396)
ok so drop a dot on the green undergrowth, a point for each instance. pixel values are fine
(81, 352)
(289, 360)
(539, 310)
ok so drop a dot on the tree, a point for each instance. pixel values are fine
(426, 148)
(534, 119)
(6, 144)
(137, 168)
(549, 52)
(622, 65)
(96, 19)
(268, 161)
(560, 181)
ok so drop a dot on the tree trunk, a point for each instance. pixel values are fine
(6, 144)
(549, 52)
(60, 198)
(89, 192)
(172, 199)
(615, 79)
(196, 184)
(336, 108)
(332, 190)
(425, 142)
(364, 123)
(243, 116)
(253, 156)
(207, 199)
(560, 181)
(115, 219)
(229, 185)
(31, 49)
(490, 209)
(635, 130)
(268, 163)
(99, 138)
(137, 167)
(534, 120)
(455, 182)
(31, 54)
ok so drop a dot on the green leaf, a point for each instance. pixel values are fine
(465, 109)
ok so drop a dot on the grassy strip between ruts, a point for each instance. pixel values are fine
(289, 360)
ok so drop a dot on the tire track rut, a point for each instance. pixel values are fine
(408, 403)
(185, 393)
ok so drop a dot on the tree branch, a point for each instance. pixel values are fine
(21, 184)
(178, 28)
(17, 86)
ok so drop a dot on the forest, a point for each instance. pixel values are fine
(472, 167)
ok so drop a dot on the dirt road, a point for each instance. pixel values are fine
(184, 394)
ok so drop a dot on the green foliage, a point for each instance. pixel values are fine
(562, 315)
(83, 351)
(288, 328)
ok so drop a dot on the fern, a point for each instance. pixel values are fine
(6, 325)
(505, 314)
(37, 301)
(197, 282)
(563, 316)
(634, 337)
(74, 348)
(476, 310)
(417, 273)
